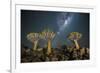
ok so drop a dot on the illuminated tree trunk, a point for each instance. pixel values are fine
(35, 45)
(49, 47)
(76, 44)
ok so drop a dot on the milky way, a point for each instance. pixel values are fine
(63, 20)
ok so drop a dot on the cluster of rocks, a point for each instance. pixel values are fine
(62, 54)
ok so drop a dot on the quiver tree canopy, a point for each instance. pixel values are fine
(74, 36)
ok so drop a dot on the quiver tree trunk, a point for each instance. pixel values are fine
(35, 45)
(49, 47)
(76, 44)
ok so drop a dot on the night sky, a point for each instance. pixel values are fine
(62, 23)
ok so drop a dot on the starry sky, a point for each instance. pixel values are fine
(62, 23)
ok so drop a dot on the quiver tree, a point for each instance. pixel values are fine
(34, 38)
(48, 35)
(75, 36)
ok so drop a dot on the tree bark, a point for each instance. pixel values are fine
(49, 47)
(76, 44)
(35, 45)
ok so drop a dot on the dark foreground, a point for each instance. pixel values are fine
(63, 54)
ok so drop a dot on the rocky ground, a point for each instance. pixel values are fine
(63, 53)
